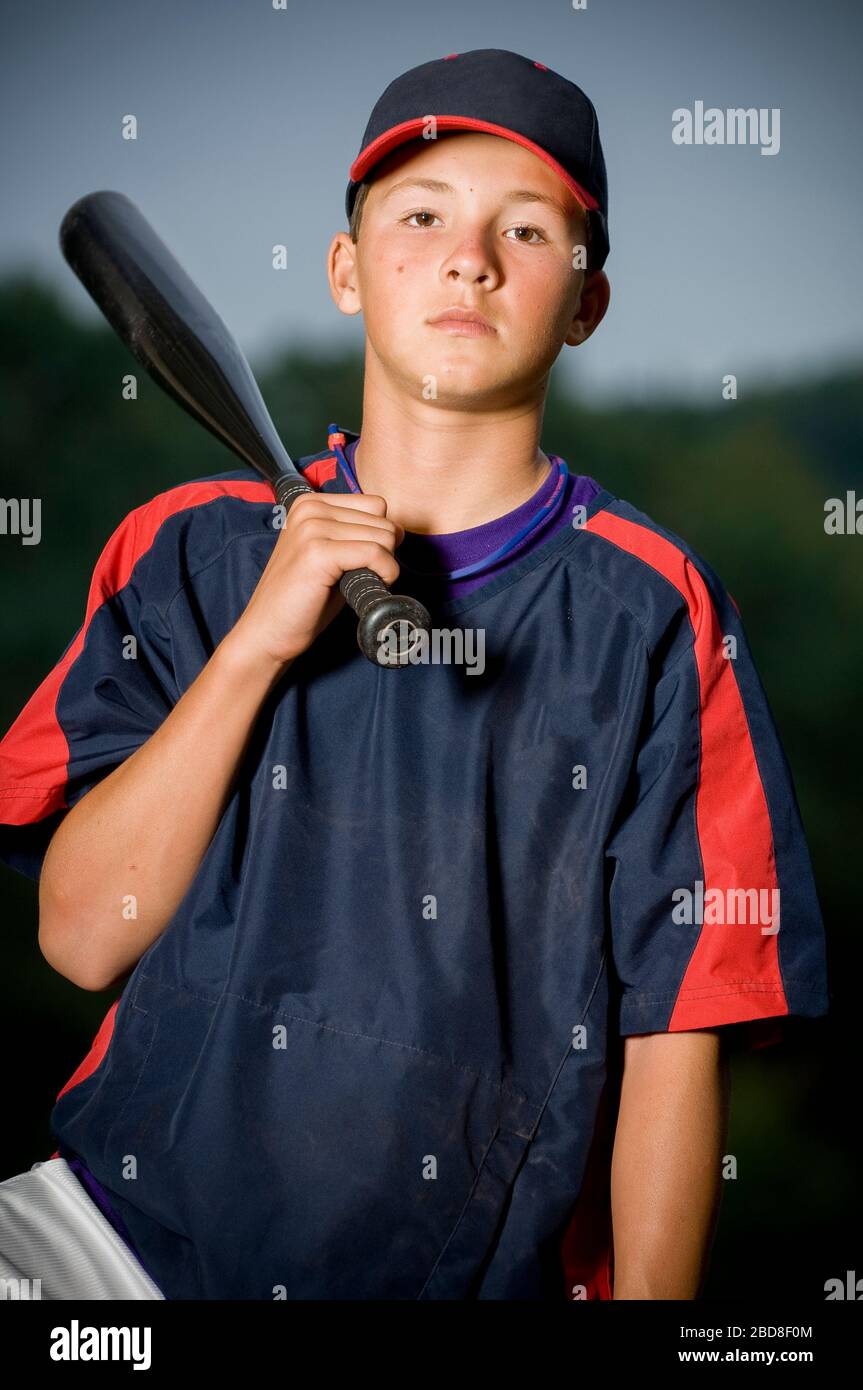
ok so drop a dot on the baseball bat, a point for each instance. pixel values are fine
(177, 336)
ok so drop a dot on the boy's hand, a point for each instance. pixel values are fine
(296, 597)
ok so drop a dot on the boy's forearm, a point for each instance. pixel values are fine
(666, 1176)
(144, 830)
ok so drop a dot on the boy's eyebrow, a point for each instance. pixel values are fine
(516, 195)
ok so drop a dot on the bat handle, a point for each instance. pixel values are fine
(389, 626)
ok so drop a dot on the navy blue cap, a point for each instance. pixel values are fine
(500, 93)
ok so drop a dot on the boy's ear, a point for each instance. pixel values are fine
(342, 273)
(592, 306)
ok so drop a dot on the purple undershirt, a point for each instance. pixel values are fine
(453, 550)
(445, 551)
(98, 1194)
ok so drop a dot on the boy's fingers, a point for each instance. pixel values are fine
(346, 507)
(355, 516)
(354, 501)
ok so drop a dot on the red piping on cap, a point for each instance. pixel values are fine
(400, 134)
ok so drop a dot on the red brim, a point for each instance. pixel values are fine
(410, 130)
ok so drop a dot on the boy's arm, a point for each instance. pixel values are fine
(143, 829)
(707, 839)
(666, 1165)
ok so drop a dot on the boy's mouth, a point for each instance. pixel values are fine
(465, 322)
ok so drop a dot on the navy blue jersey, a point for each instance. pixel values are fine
(369, 1055)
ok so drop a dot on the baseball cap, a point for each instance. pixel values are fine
(500, 93)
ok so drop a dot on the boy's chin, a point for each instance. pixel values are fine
(468, 392)
(460, 372)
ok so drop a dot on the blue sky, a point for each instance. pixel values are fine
(722, 259)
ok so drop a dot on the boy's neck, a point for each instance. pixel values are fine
(444, 471)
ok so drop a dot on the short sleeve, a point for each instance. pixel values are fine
(108, 692)
(713, 913)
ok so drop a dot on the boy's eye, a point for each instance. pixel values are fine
(526, 227)
(522, 227)
(423, 212)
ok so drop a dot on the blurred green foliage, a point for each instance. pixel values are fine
(744, 482)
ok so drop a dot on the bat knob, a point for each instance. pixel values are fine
(389, 626)
(391, 629)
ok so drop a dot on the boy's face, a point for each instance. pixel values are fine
(473, 244)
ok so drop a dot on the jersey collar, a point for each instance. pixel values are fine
(322, 470)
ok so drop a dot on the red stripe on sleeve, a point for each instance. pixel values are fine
(96, 1053)
(320, 471)
(733, 974)
(34, 754)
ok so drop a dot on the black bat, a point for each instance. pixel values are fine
(176, 334)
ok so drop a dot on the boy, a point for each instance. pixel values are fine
(385, 931)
